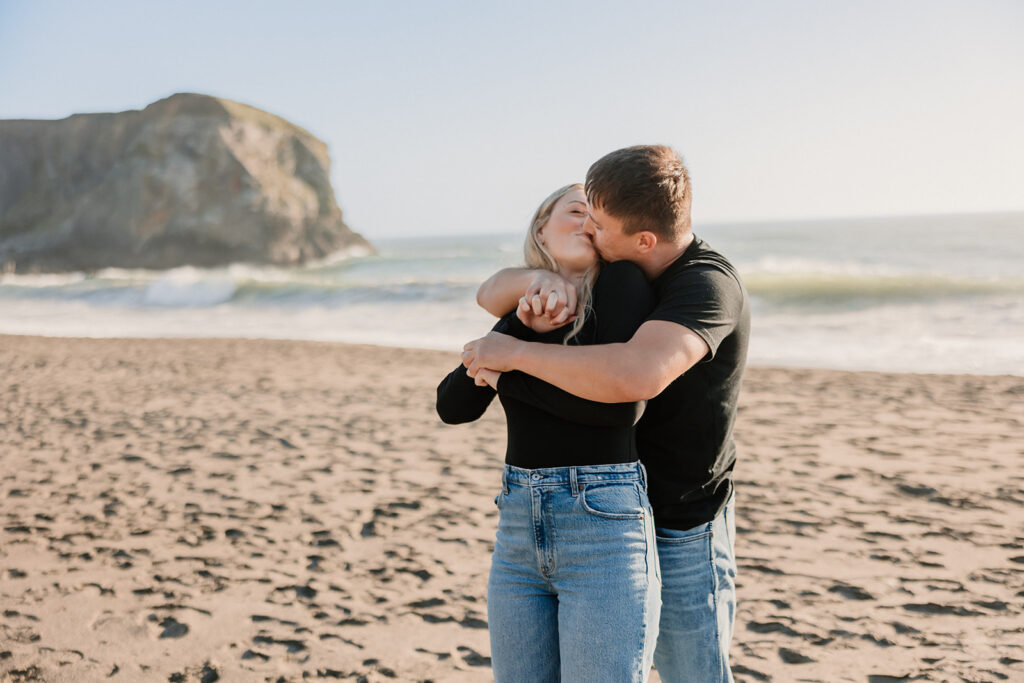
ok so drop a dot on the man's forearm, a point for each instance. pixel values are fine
(608, 373)
(636, 370)
(500, 293)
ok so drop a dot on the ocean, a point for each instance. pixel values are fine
(925, 294)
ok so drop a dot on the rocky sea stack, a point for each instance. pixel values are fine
(189, 180)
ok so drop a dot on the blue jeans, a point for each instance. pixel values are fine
(698, 573)
(574, 592)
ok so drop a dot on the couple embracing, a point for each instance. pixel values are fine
(618, 359)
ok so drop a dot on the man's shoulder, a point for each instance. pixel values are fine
(703, 255)
(700, 262)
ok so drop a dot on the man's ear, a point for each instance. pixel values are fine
(646, 240)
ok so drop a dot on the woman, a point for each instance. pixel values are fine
(574, 589)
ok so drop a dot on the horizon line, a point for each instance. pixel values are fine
(762, 221)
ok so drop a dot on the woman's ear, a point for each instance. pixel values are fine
(540, 235)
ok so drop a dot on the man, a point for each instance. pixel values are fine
(686, 360)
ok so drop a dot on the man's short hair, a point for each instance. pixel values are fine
(647, 187)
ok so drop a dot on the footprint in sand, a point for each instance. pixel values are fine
(382, 670)
(740, 670)
(935, 608)
(291, 645)
(851, 592)
(170, 627)
(204, 674)
(472, 657)
(793, 657)
(252, 654)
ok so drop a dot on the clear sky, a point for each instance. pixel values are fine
(457, 117)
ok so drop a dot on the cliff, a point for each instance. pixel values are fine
(189, 180)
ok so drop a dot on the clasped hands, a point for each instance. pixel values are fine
(549, 303)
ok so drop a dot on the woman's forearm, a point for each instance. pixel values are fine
(500, 293)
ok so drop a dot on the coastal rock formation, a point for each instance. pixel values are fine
(189, 180)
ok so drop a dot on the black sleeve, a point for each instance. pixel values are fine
(621, 301)
(706, 299)
(459, 399)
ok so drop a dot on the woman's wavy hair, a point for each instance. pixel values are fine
(537, 256)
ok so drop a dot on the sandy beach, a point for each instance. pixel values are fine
(242, 510)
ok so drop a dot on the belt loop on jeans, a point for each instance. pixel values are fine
(504, 481)
(643, 474)
(574, 485)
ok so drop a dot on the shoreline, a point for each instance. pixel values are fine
(384, 347)
(281, 510)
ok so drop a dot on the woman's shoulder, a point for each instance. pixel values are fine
(623, 295)
(621, 275)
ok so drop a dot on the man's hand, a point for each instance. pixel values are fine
(487, 377)
(496, 351)
(551, 295)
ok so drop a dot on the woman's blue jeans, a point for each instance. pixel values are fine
(575, 590)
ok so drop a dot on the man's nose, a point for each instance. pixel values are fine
(588, 226)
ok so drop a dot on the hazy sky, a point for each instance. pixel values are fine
(454, 117)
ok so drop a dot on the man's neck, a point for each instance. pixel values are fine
(664, 255)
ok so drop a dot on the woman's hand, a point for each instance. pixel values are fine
(552, 295)
(530, 311)
(488, 377)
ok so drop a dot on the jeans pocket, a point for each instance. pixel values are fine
(619, 500)
(681, 536)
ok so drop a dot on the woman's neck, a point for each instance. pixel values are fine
(575, 276)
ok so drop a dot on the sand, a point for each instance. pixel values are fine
(200, 510)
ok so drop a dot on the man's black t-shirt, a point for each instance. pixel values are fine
(685, 435)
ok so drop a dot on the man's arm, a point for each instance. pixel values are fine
(622, 300)
(564, 405)
(636, 370)
(548, 293)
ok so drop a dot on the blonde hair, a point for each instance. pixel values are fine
(537, 256)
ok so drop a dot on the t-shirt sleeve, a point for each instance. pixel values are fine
(459, 399)
(704, 299)
(622, 298)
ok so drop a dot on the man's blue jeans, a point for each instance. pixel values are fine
(574, 593)
(698, 574)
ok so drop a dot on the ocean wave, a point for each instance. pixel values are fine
(205, 292)
(43, 280)
(199, 293)
(839, 287)
(254, 286)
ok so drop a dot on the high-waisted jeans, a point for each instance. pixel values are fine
(575, 589)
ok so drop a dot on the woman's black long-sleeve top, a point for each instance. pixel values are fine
(549, 427)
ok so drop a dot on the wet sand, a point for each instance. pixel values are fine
(234, 510)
